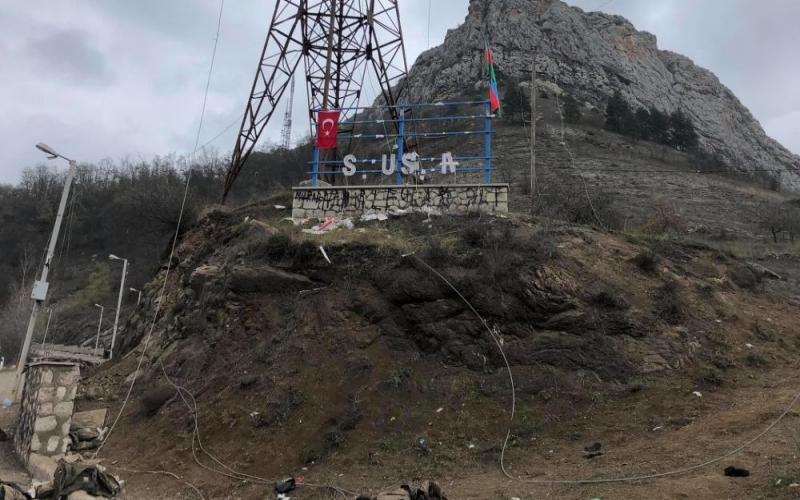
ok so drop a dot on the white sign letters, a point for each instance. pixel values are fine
(410, 164)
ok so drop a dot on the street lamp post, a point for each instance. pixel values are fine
(99, 325)
(119, 301)
(139, 298)
(39, 293)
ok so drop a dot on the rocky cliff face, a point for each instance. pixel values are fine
(592, 55)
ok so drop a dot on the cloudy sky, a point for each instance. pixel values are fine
(109, 78)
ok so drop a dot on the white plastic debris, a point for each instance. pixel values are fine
(280, 207)
(750, 346)
(296, 222)
(471, 446)
(698, 394)
(658, 428)
(325, 254)
(254, 414)
(440, 410)
(330, 225)
(282, 496)
(370, 217)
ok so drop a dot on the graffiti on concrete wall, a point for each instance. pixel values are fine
(381, 199)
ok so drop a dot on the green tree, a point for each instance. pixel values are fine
(644, 125)
(618, 113)
(515, 102)
(683, 135)
(659, 126)
(572, 109)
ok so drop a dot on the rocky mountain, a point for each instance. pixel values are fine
(592, 55)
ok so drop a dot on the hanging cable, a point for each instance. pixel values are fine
(172, 248)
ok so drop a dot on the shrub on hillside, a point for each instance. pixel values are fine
(647, 261)
(666, 219)
(670, 305)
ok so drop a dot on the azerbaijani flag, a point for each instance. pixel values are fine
(494, 95)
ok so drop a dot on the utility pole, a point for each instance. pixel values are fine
(47, 328)
(534, 198)
(40, 287)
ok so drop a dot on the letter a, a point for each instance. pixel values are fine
(448, 163)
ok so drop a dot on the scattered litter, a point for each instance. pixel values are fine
(280, 207)
(658, 428)
(92, 479)
(83, 438)
(370, 217)
(778, 482)
(286, 485)
(325, 254)
(750, 346)
(247, 218)
(428, 490)
(516, 498)
(11, 491)
(718, 321)
(392, 419)
(732, 471)
(254, 414)
(593, 451)
(330, 225)
(296, 222)
(8, 403)
(471, 446)
(698, 394)
(794, 485)
(281, 496)
(440, 410)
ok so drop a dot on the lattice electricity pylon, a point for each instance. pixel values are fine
(339, 41)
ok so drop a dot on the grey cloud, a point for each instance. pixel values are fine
(70, 54)
(151, 56)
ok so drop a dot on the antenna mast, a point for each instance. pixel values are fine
(286, 133)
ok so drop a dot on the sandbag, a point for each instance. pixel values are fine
(70, 478)
(10, 491)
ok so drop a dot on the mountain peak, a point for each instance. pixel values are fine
(592, 55)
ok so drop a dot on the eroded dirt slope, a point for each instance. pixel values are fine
(371, 370)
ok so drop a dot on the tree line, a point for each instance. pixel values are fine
(128, 207)
(674, 129)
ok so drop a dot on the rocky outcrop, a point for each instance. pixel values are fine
(592, 55)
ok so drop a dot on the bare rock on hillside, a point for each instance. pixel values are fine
(591, 55)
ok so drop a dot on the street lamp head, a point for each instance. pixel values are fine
(50, 152)
(114, 257)
(98, 305)
(134, 290)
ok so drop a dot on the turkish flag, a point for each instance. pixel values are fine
(327, 129)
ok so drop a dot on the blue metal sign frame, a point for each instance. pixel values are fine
(402, 136)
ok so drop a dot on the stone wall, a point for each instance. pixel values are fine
(335, 201)
(46, 410)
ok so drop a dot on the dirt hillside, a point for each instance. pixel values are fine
(372, 370)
